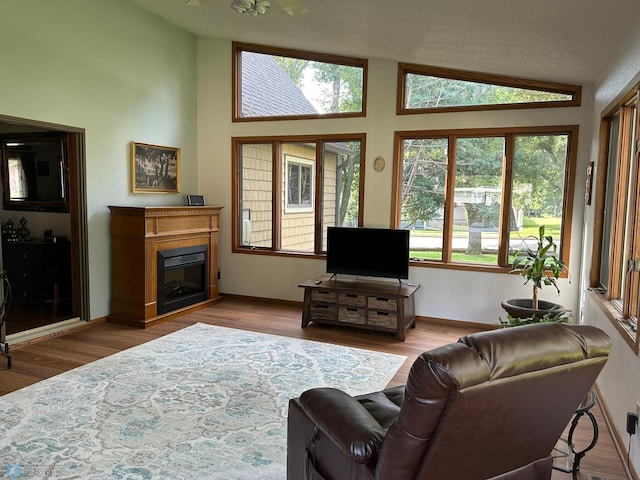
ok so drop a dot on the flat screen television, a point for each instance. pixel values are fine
(372, 252)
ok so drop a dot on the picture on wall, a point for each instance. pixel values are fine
(155, 169)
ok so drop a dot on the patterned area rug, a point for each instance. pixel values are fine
(205, 402)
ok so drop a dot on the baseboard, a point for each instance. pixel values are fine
(455, 323)
(618, 440)
(276, 301)
(46, 332)
(165, 317)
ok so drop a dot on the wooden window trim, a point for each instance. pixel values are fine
(236, 75)
(621, 308)
(277, 142)
(553, 87)
(503, 265)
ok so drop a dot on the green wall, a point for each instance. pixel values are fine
(117, 72)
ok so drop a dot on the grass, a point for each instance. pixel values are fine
(530, 227)
(457, 257)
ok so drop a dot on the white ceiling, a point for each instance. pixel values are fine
(557, 40)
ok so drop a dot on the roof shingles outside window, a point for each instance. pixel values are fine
(267, 91)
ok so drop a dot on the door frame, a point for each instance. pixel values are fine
(77, 209)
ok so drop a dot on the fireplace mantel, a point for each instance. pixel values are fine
(137, 234)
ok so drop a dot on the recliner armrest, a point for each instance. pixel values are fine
(348, 425)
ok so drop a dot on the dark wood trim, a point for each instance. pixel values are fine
(79, 235)
(600, 196)
(570, 168)
(506, 206)
(569, 188)
(238, 48)
(265, 300)
(455, 323)
(277, 143)
(575, 91)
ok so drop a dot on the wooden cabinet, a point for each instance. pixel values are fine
(38, 270)
(137, 235)
(383, 306)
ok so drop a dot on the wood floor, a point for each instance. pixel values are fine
(25, 317)
(39, 360)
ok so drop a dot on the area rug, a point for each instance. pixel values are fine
(205, 402)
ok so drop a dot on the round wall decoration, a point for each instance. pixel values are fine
(378, 163)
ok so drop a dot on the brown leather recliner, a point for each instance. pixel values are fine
(492, 405)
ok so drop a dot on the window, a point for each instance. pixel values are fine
(18, 188)
(616, 260)
(278, 84)
(288, 190)
(424, 89)
(299, 184)
(502, 185)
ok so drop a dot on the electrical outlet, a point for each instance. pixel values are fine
(632, 422)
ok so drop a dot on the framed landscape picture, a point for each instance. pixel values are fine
(155, 169)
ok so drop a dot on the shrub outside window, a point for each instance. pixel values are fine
(502, 185)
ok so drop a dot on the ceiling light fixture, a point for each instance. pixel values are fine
(251, 7)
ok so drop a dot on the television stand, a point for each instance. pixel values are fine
(369, 305)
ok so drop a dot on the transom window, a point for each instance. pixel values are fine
(615, 271)
(278, 84)
(471, 197)
(426, 89)
(288, 190)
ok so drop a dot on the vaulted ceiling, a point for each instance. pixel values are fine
(557, 40)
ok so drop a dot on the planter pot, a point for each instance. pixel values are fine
(521, 308)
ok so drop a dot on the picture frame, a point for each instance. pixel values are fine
(154, 168)
(195, 200)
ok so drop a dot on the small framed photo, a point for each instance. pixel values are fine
(154, 169)
(197, 200)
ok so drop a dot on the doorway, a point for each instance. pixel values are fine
(45, 249)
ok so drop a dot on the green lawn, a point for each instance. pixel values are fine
(530, 227)
(457, 257)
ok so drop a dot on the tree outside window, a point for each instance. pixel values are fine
(502, 184)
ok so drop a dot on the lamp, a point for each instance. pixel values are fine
(251, 7)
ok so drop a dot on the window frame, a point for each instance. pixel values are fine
(510, 133)
(236, 76)
(301, 163)
(276, 194)
(620, 307)
(405, 69)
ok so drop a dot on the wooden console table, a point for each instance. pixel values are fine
(137, 234)
(381, 306)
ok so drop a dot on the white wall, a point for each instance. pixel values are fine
(619, 382)
(120, 73)
(450, 294)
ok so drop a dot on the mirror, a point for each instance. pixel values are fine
(34, 172)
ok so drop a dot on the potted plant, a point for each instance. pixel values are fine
(541, 266)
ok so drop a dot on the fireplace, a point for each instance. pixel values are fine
(182, 277)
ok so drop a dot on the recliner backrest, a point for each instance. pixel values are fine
(492, 402)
